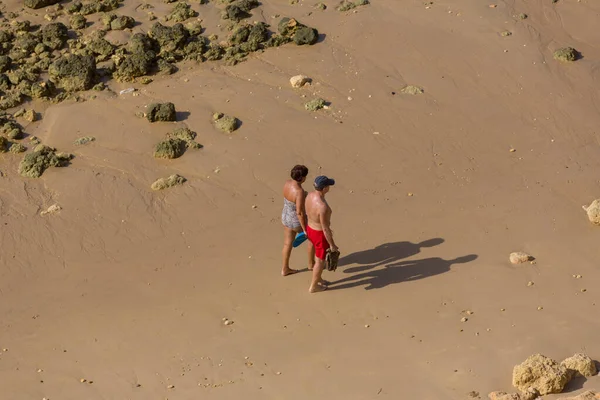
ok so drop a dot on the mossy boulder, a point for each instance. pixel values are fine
(161, 112)
(170, 148)
(135, 65)
(101, 48)
(566, 54)
(299, 33)
(11, 100)
(181, 12)
(12, 130)
(25, 43)
(4, 144)
(165, 67)
(315, 104)
(73, 72)
(17, 148)
(96, 6)
(140, 42)
(35, 4)
(40, 90)
(169, 38)
(164, 183)
(77, 22)
(240, 10)
(55, 35)
(5, 63)
(226, 123)
(43, 157)
(346, 5)
(187, 135)
(84, 140)
(122, 22)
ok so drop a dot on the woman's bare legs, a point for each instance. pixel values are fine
(288, 239)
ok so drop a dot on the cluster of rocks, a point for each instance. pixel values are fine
(540, 375)
(176, 143)
(43, 157)
(225, 123)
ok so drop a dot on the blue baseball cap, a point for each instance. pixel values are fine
(322, 181)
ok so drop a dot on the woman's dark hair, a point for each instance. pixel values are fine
(299, 172)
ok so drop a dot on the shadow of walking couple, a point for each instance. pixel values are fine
(389, 255)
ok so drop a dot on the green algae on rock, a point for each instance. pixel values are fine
(73, 72)
(226, 123)
(346, 5)
(181, 12)
(4, 143)
(77, 22)
(291, 29)
(566, 54)
(35, 4)
(43, 157)
(187, 135)
(315, 104)
(170, 148)
(412, 89)
(164, 183)
(17, 148)
(161, 112)
(84, 140)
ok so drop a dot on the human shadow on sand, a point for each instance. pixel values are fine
(404, 271)
(384, 254)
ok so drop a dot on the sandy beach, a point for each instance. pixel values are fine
(122, 293)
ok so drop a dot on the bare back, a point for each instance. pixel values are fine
(317, 211)
(291, 190)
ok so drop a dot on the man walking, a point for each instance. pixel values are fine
(318, 229)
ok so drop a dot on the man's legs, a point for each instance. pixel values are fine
(315, 285)
(311, 255)
(288, 239)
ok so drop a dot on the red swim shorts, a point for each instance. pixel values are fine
(318, 240)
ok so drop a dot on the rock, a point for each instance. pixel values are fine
(34, 164)
(588, 395)
(12, 130)
(170, 148)
(580, 364)
(506, 33)
(305, 35)
(321, 6)
(77, 22)
(346, 5)
(187, 136)
(225, 123)
(4, 144)
(315, 104)
(239, 10)
(53, 209)
(73, 72)
(411, 89)
(299, 80)
(39, 90)
(55, 35)
(135, 65)
(566, 54)
(17, 148)
(5, 63)
(522, 16)
(169, 38)
(161, 112)
(291, 29)
(122, 22)
(540, 373)
(84, 140)
(530, 394)
(35, 4)
(519, 257)
(503, 396)
(164, 183)
(593, 212)
(30, 116)
(181, 12)
(101, 48)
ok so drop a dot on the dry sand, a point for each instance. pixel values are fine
(127, 288)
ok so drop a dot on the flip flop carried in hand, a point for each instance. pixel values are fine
(331, 260)
(300, 238)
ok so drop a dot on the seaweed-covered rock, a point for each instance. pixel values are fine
(12, 130)
(84, 140)
(587, 395)
(4, 83)
(95, 6)
(25, 43)
(122, 22)
(580, 364)
(35, 4)
(34, 164)
(226, 123)
(181, 12)
(140, 42)
(566, 54)
(411, 89)
(30, 115)
(187, 135)
(297, 32)
(55, 35)
(170, 148)
(346, 5)
(194, 28)
(315, 104)
(102, 48)
(161, 112)
(74, 7)
(3, 144)
(240, 10)
(593, 212)
(164, 183)
(194, 49)
(11, 100)
(169, 38)
(135, 65)
(17, 148)
(77, 22)
(540, 373)
(5, 63)
(165, 68)
(73, 72)
(214, 52)
(39, 90)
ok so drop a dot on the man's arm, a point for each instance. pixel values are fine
(325, 218)
(300, 209)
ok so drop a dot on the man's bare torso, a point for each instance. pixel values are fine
(316, 206)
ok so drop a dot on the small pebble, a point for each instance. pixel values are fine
(464, 319)
(530, 283)
(82, 380)
(583, 290)
(540, 308)
(503, 309)
(366, 326)
(171, 387)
